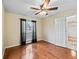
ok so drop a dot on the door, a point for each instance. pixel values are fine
(60, 31)
(28, 31)
(31, 31)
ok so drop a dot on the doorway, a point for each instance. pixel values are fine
(28, 31)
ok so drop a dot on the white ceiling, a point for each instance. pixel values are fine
(23, 6)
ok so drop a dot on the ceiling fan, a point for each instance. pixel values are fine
(43, 8)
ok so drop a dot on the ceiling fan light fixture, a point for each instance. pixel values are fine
(43, 10)
(45, 6)
(43, 13)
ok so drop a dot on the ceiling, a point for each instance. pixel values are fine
(23, 6)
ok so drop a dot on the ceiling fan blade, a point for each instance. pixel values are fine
(34, 8)
(46, 3)
(54, 8)
(37, 13)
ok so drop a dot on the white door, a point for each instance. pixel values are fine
(60, 32)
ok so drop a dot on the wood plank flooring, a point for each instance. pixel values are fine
(39, 50)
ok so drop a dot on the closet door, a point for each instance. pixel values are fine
(60, 31)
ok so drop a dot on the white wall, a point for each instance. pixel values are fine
(3, 30)
(48, 29)
(12, 28)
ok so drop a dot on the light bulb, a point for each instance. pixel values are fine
(43, 13)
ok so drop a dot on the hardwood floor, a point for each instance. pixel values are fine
(39, 50)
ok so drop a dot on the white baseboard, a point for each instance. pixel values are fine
(18, 44)
(70, 46)
(46, 40)
(3, 52)
(12, 46)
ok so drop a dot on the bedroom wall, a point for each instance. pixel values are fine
(49, 24)
(3, 30)
(13, 28)
(48, 28)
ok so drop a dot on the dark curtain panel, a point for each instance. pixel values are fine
(34, 35)
(23, 31)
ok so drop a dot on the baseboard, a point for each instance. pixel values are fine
(18, 44)
(39, 39)
(12, 46)
(45, 40)
(3, 53)
(69, 47)
(72, 46)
